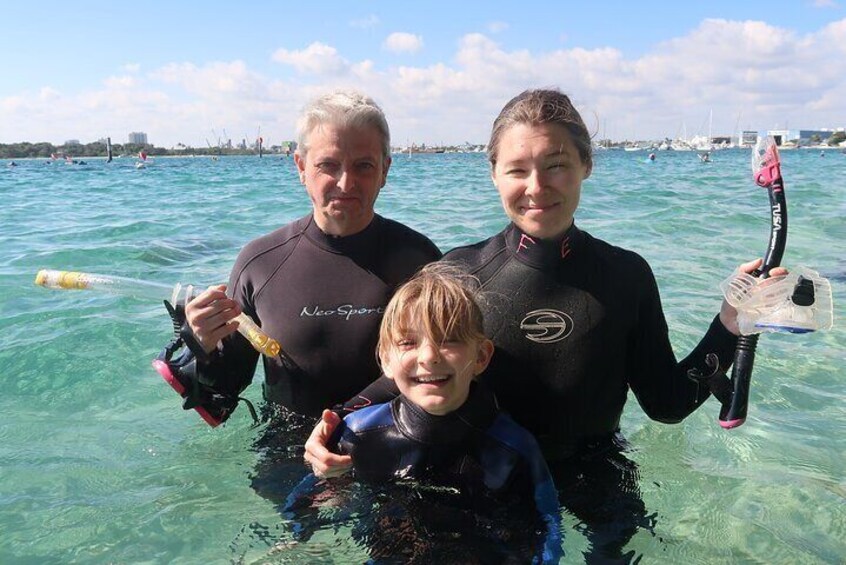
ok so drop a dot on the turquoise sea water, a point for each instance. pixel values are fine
(99, 464)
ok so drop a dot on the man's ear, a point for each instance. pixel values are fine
(386, 162)
(300, 161)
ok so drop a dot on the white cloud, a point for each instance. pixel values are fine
(497, 27)
(400, 42)
(368, 22)
(212, 80)
(766, 74)
(131, 67)
(47, 94)
(318, 58)
(121, 82)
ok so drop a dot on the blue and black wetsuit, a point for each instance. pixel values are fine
(477, 450)
(322, 297)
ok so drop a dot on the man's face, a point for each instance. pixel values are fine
(343, 171)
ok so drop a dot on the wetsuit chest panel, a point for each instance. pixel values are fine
(332, 318)
(322, 298)
(562, 334)
(399, 440)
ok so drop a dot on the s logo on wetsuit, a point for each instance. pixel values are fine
(546, 326)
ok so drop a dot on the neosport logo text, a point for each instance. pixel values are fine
(546, 326)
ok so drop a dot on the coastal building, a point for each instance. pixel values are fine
(783, 136)
(138, 138)
(814, 136)
(747, 138)
(801, 137)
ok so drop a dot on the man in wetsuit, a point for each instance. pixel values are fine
(318, 285)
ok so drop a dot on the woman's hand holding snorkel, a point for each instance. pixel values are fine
(728, 313)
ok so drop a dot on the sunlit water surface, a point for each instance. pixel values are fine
(98, 462)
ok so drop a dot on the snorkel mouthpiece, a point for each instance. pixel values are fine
(803, 292)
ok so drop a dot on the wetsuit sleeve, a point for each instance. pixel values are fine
(546, 502)
(659, 382)
(380, 391)
(530, 474)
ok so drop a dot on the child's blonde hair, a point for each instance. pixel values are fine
(442, 299)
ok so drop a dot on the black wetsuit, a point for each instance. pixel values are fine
(476, 449)
(577, 323)
(322, 297)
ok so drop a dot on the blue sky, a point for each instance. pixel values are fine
(441, 70)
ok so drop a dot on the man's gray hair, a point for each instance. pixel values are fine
(342, 108)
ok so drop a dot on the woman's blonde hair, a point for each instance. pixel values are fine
(442, 299)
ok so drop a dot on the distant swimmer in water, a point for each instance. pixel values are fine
(705, 157)
(652, 156)
(12, 164)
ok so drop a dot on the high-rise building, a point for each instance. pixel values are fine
(138, 138)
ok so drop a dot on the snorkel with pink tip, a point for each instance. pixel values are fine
(766, 170)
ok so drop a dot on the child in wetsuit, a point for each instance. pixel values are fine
(445, 427)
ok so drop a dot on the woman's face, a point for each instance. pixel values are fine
(539, 175)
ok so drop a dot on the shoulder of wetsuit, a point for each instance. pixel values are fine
(178, 366)
(380, 391)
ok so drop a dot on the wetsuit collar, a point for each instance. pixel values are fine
(365, 239)
(474, 416)
(543, 252)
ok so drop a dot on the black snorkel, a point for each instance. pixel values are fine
(733, 394)
(766, 169)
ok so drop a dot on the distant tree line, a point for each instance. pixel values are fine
(25, 150)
